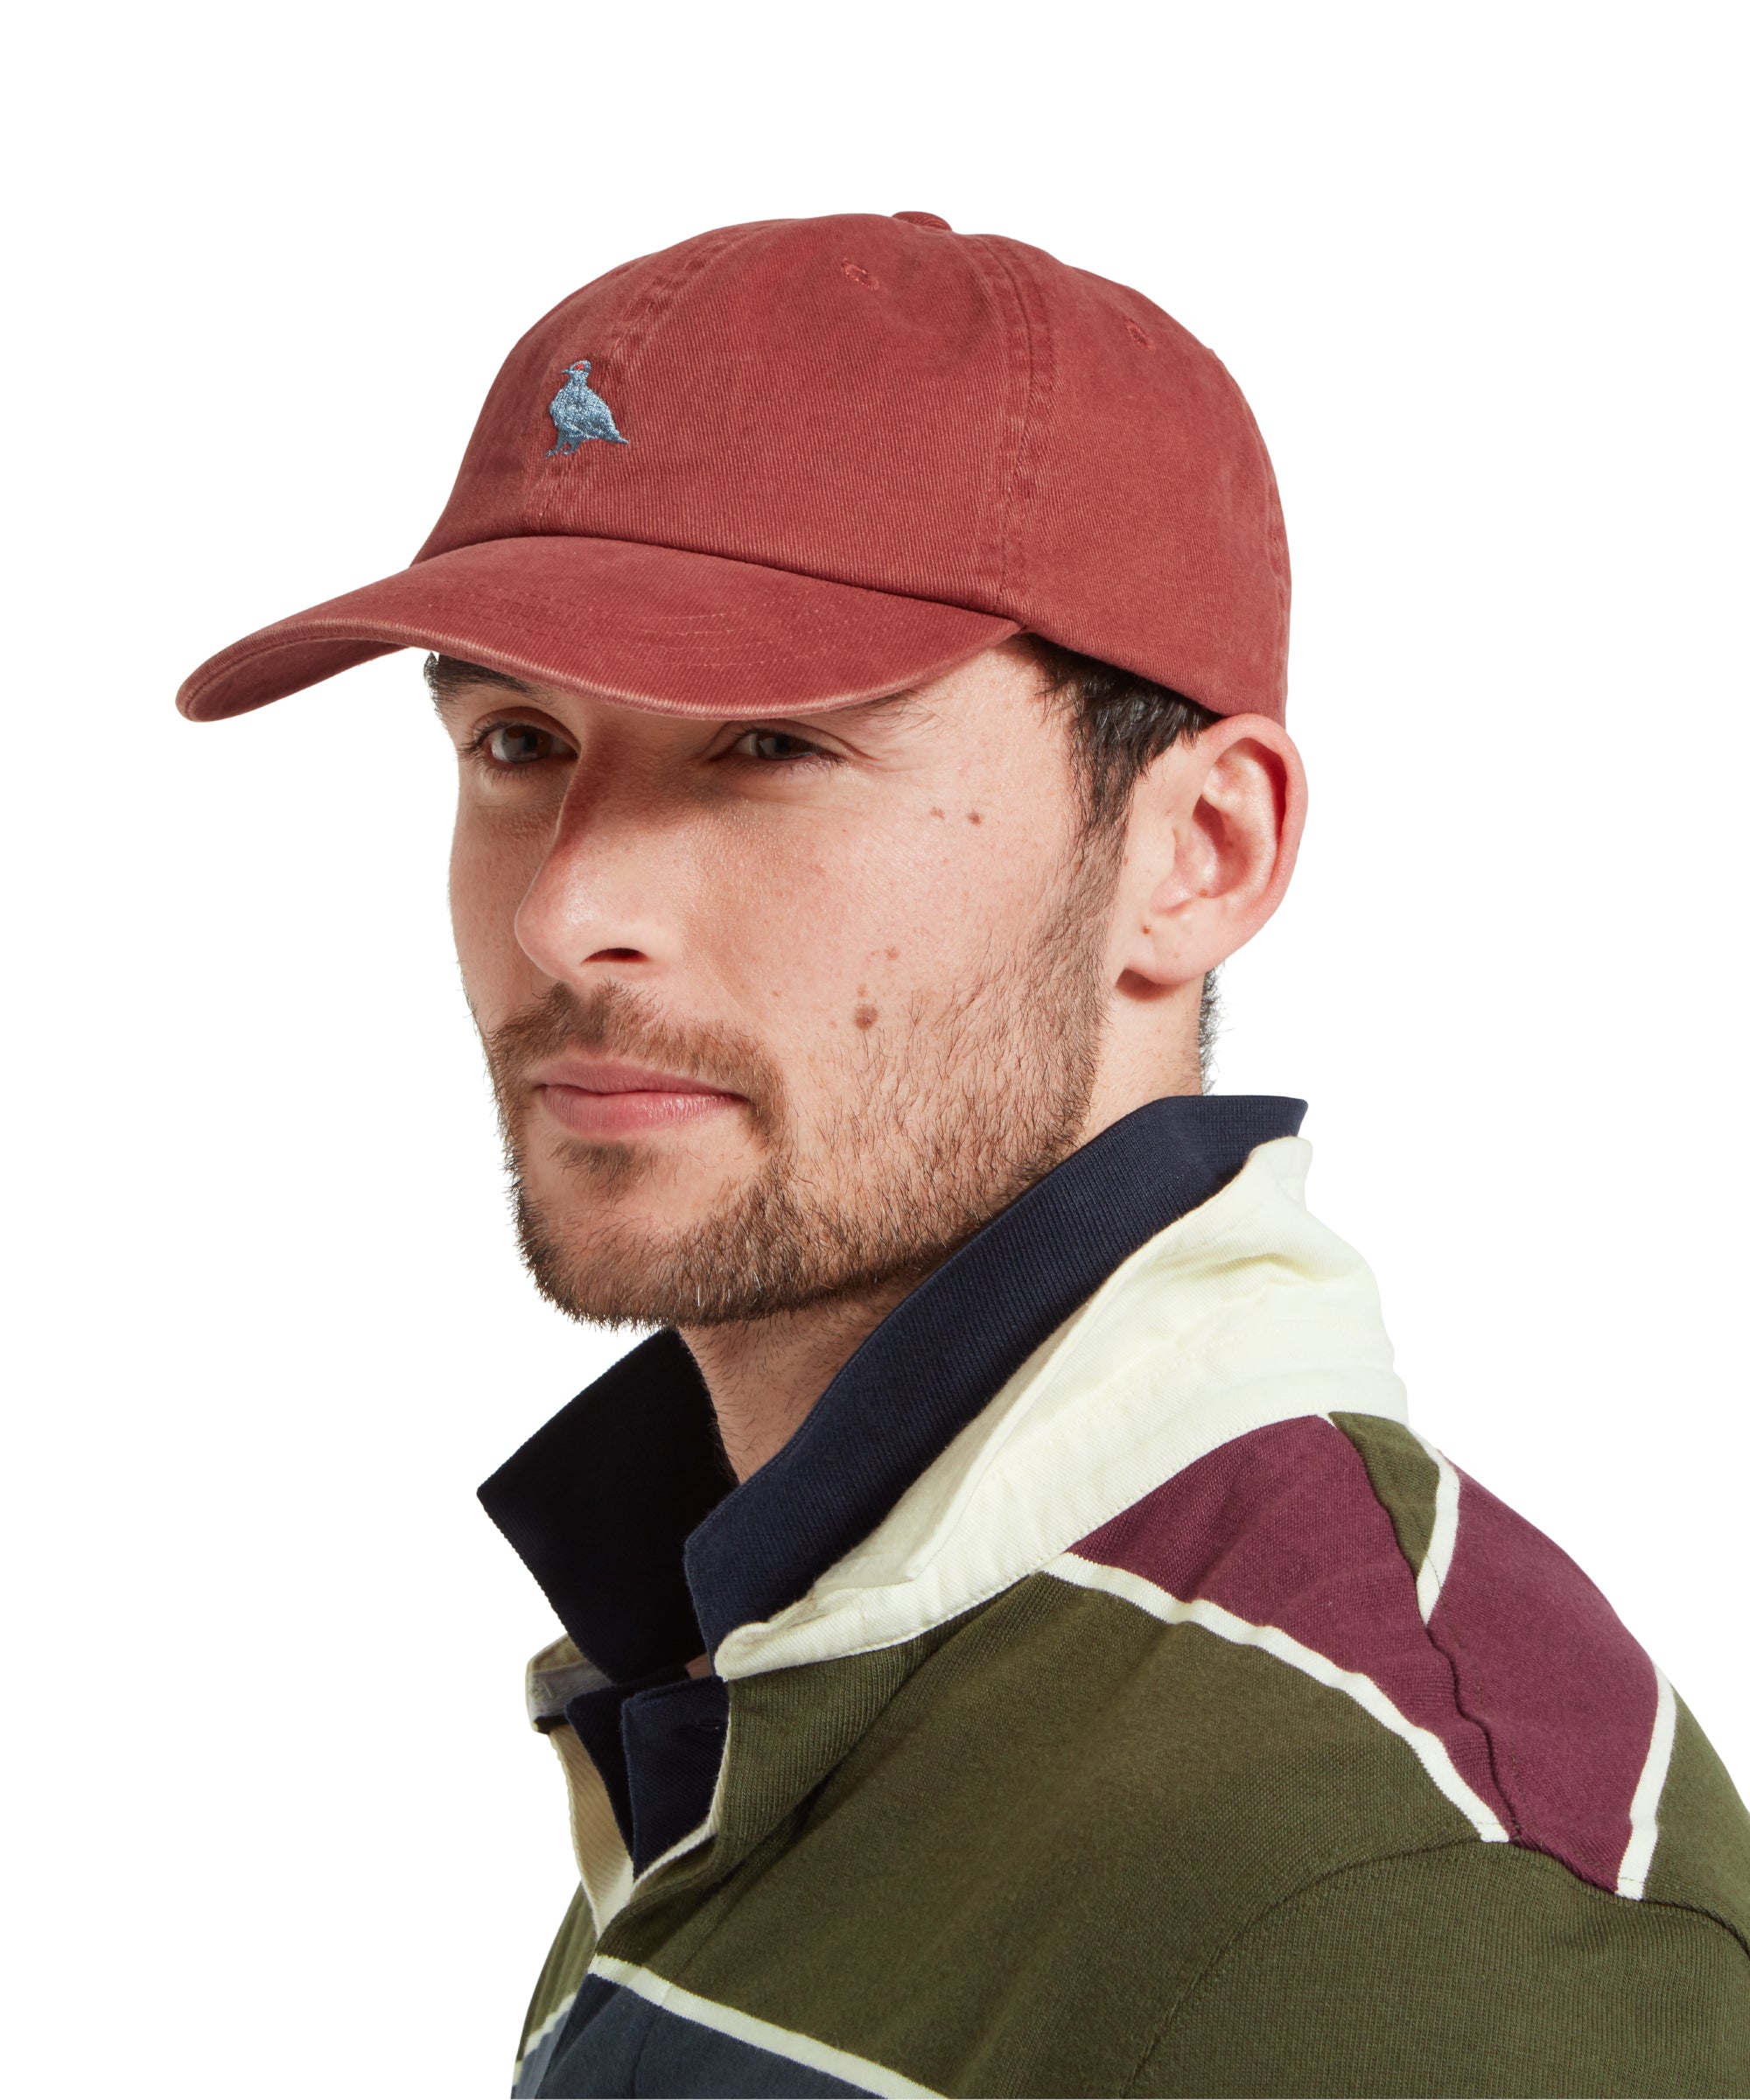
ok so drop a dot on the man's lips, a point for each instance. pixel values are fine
(603, 1098)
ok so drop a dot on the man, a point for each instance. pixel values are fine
(1014, 1643)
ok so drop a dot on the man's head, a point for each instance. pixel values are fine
(875, 746)
(781, 1009)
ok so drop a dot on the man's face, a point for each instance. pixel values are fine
(775, 1010)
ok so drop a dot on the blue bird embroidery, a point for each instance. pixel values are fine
(578, 414)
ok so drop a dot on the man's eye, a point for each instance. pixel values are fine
(776, 747)
(518, 744)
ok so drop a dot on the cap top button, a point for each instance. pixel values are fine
(925, 219)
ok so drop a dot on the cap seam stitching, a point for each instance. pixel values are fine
(1035, 339)
(998, 282)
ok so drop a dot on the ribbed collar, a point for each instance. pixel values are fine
(623, 1510)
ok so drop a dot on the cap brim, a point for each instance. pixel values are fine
(653, 627)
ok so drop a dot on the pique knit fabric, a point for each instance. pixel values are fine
(1109, 1692)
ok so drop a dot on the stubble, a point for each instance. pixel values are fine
(926, 1131)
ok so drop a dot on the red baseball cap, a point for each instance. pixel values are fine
(800, 464)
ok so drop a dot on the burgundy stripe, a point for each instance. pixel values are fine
(1567, 1695)
(1542, 1700)
(1282, 1528)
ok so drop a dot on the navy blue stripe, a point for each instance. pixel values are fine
(614, 2041)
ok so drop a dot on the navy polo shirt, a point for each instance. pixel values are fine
(625, 1511)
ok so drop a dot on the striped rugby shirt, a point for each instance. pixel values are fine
(1109, 1692)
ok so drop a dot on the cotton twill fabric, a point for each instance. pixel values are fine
(855, 451)
(1286, 1760)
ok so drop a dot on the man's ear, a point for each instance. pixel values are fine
(1214, 828)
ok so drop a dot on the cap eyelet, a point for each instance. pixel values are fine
(1137, 335)
(857, 274)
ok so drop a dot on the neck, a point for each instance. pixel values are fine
(764, 1376)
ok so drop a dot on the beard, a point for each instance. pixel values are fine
(923, 1135)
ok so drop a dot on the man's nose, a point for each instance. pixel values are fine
(597, 900)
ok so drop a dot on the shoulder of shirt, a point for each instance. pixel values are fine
(1347, 1566)
(1461, 1968)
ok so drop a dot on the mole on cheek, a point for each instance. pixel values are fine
(973, 818)
(865, 1017)
(941, 813)
(892, 954)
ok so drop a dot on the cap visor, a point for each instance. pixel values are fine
(653, 627)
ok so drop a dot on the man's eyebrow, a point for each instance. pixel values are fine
(445, 676)
(889, 706)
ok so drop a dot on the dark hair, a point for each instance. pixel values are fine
(1119, 724)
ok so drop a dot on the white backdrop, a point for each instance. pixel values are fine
(280, 1827)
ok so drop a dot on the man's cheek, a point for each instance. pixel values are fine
(485, 889)
(481, 950)
(783, 958)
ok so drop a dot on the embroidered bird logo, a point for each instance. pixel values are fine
(579, 413)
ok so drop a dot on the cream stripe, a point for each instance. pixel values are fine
(1438, 1560)
(760, 2034)
(541, 2034)
(1435, 1758)
(600, 1852)
(1643, 1810)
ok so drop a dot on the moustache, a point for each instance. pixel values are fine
(614, 1020)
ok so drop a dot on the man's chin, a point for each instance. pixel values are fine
(640, 1247)
(626, 1276)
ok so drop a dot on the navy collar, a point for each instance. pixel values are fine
(623, 1510)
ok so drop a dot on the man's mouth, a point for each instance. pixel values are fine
(605, 1098)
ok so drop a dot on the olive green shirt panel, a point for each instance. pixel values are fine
(1467, 1970)
(1047, 1835)
(1404, 1478)
(1702, 1855)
